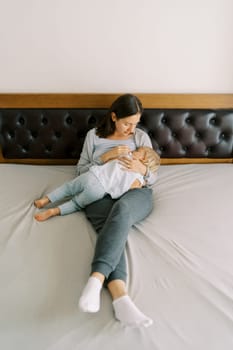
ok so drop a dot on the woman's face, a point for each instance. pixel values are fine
(126, 126)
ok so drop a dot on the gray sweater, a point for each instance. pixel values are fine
(94, 146)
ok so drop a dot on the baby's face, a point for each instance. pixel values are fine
(139, 154)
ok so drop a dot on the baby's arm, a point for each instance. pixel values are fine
(136, 184)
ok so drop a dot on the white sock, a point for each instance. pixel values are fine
(90, 298)
(128, 313)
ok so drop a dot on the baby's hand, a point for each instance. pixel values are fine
(133, 164)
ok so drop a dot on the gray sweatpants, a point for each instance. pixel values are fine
(112, 220)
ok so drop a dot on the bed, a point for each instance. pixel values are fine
(179, 258)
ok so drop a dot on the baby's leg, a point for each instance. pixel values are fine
(65, 190)
(40, 203)
(44, 215)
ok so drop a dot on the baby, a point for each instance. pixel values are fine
(110, 178)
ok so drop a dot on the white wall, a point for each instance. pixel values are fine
(116, 46)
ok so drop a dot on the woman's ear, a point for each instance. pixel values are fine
(114, 117)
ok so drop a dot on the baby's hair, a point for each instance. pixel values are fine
(152, 159)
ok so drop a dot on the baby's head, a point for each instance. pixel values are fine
(148, 157)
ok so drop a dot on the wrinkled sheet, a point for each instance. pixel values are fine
(180, 264)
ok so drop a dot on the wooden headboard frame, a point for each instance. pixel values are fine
(96, 100)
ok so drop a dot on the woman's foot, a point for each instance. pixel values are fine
(128, 313)
(40, 203)
(90, 298)
(44, 215)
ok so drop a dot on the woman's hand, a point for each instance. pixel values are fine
(115, 152)
(133, 164)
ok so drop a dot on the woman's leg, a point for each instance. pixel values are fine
(125, 309)
(112, 220)
(97, 213)
(132, 207)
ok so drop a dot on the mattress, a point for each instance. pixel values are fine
(179, 262)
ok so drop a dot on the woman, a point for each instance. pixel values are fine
(112, 219)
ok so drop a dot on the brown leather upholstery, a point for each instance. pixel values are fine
(60, 133)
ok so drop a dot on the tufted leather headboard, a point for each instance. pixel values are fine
(51, 128)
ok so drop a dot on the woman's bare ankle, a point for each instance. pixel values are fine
(98, 275)
(117, 289)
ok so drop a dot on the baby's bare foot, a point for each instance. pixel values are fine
(40, 203)
(44, 215)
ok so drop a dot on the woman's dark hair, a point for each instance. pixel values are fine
(124, 106)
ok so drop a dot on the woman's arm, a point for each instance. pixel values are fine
(86, 157)
(137, 166)
(115, 153)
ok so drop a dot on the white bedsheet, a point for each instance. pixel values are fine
(180, 263)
